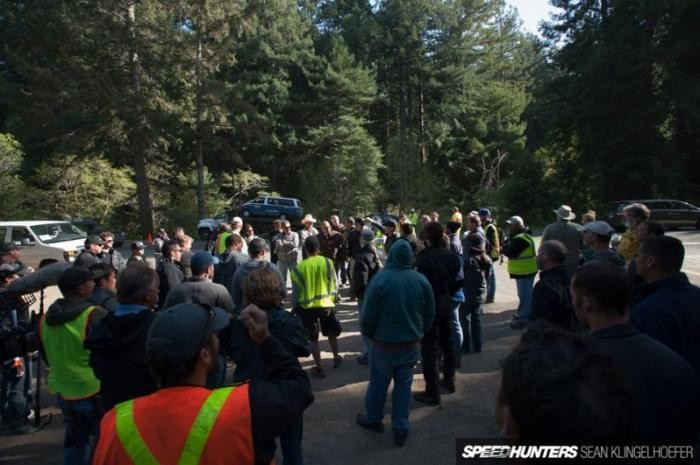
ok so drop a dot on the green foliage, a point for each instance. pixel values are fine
(87, 187)
(343, 178)
(15, 196)
(182, 204)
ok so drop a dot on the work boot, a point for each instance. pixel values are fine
(449, 386)
(400, 438)
(426, 398)
(363, 422)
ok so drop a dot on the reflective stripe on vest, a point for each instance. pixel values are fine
(315, 281)
(221, 245)
(70, 375)
(526, 263)
(138, 450)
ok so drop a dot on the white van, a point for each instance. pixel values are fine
(43, 239)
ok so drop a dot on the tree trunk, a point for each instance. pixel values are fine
(137, 142)
(201, 201)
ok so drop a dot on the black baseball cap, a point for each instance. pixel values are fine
(96, 240)
(71, 279)
(179, 332)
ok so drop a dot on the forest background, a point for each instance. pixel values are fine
(159, 112)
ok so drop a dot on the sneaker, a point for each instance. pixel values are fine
(489, 301)
(318, 372)
(337, 361)
(363, 422)
(363, 359)
(518, 324)
(400, 438)
(448, 386)
(426, 398)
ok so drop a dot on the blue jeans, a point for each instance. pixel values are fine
(365, 340)
(457, 329)
(524, 286)
(82, 419)
(470, 319)
(13, 390)
(491, 284)
(290, 442)
(384, 366)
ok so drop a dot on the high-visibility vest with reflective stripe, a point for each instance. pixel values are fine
(182, 425)
(526, 263)
(70, 373)
(221, 242)
(315, 280)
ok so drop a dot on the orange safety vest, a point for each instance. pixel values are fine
(181, 425)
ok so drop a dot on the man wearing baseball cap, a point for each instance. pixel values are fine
(596, 236)
(185, 420)
(62, 333)
(200, 289)
(91, 254)
(138, 250)
(9, 255)
(522, 266)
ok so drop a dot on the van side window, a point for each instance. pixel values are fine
(286, 202)
(3, 234)
(20, 233)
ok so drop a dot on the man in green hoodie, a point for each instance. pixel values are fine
(398, 308)
(62, 332)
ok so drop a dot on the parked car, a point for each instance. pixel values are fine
(273, 207)
(93, 228)
(672, 214)
(207, 226)
(43, 239)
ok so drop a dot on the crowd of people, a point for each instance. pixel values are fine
(611, 332)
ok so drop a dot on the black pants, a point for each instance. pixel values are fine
(439, 338)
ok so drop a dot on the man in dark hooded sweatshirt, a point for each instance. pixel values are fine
(61, 333)
(118, 343)
(397, 311)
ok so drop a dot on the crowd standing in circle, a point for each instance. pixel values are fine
(615, 318)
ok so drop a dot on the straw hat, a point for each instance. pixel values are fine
(564, 212)
(308, 219)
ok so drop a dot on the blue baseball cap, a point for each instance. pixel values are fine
(202, 260)
(484, 212)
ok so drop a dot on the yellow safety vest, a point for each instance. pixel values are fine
(526, 263)
(70, 375)
(315, 280)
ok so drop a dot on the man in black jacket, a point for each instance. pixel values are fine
(667, 388)
(551, 298)
(118, 343)
(92, 254)
(354, 246)
(366, 266)
(169, 269)
(230, 262)
(443, 269)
